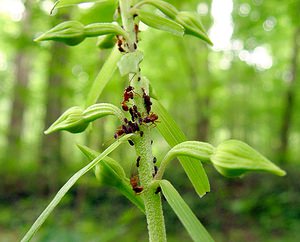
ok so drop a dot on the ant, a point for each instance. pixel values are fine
(151, 118)
(134, 180)
(120, 43)
(128, 94)
(119, 132)
(138, 161)
(147, 101)
(155, 171)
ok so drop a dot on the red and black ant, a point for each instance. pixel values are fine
(128, 94)
(147, 101)
(151, 118)
(134, 182)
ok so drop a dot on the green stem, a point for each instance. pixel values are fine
(152, 201)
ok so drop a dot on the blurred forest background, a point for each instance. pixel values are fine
(246, 87)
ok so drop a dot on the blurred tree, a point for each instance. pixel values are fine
(50, 152)
(23, 61)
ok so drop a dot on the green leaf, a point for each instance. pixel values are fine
(44, 215)
(103, 77)
(110, 172)
(193, 226)
(234, 158)
(159, 22)
(173, 135)
(194, 149)
(76, 119)
(129, 63)
(68, 32)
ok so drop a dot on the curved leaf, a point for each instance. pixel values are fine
(173, 135)
(44, 215)
(193, 226)
(194, 149)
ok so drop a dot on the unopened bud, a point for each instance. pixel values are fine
(234, 158)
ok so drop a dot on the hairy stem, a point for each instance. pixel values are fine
(152, 201)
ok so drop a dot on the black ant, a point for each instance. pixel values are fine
(154, 160)
(134, 182)
(138, 161)
(155, 171)
(158, 190)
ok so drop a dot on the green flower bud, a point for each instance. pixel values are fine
(69, 32)
(166, 8)
(71, 120)
(234, 158)
(192, 25)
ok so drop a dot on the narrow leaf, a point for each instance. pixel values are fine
(173, 135)
(100, 110)
(189, 220)
(111, 173)
(194, 149)
(44, 215)
(129, 63)
(103, 77)
(159, 22)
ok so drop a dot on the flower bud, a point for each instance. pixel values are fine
(192, 25)
(69, 32)
(71, 120)
(234, 158)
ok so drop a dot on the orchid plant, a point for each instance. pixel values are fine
(139, 113)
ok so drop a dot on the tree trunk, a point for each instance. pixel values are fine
(50, 156)
(19, 95)
(289, 100)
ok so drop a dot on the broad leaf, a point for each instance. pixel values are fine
(159, 22)
(111, 173)
(193, 226)
(61, 193)
(173, 135)
(103, 77)
(194, 149)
